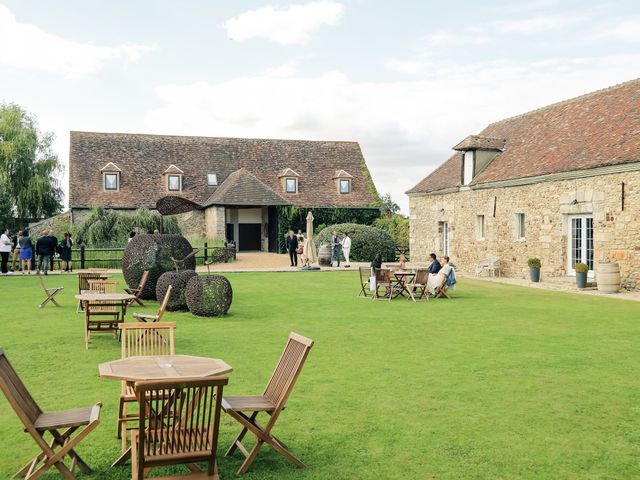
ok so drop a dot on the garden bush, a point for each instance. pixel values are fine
(178, 280)
(366, 241)
(153, 252)
(209, 295)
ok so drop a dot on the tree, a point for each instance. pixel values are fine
(29, 169)
(387, 206)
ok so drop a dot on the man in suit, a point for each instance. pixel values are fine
(336, 246)
(434, 266)
(292, 247)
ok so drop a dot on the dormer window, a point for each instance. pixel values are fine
(173, 178)
(212, 179)
(468, 167)
(110, 177)
(477, 153)
(289, 179)
(291, 185)
(343, 181)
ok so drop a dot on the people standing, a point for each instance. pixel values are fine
(26, 252)
(65, 252)
(336, 246)
(292, 248)
(54, 240)
(5, 250)
(346, 249)
(16, 251)
(45, 248)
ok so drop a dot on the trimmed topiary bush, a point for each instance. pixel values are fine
(153, 252)
(366, 241)
(209, 295)
(179, 282)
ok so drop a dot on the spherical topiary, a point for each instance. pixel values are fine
(153, 252)
(209, 295)
(178, 280)
(366, 241)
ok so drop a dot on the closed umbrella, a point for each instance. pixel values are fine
(309, 244)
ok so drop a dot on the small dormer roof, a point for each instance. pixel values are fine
(477, 142)
(172, 169)
(288, 172)
(110, 167)
(342, 174)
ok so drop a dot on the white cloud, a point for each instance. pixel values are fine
(292, 25)
(27, 47)
(539, 24)
(448, 39)
(626, 31)
(406, 128)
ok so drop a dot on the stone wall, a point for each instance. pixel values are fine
(192, 223)
(547, 207)
(215, 226)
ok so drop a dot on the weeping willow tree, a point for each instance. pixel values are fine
(29, 169)
(107, 228)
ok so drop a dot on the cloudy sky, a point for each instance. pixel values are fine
(406, 79)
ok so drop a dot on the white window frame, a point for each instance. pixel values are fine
(104, 181)
(584, 243)
(468, 166)
(347, 181)
(169, 189)
(521, 226)
(444, 236)
(480, 227)
(215, 179)
(286, 184)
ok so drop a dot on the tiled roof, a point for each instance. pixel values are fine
(476, 142)
(144, 158)
(243, 188)
(598, 129)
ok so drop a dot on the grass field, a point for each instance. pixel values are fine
(499, 382)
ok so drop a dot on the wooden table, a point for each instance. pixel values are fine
(106, 300)
(160, 367)
(401, 285)
(97, 305)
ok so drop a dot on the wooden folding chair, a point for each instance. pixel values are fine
(60, 425)
(50, 293)
(96, 311)
(365, 279)
(383, 280)
(137, 291)
(420, 282)
(441, 290)
(179, 422)
(272, 402)
(83, 285)
(140, 339)
(150, 317)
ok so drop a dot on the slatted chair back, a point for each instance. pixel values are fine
(143, 280)
(103, 286)
(383, 275)
(365, 275)
(422, 275)
(178, 423)
(84, 278)
(286, 373)
(17, 394)
(140, 339)
(165, 302)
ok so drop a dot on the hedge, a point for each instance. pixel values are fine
(366, 241)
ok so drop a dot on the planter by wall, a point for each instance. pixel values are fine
(581, 279)
(534, 274)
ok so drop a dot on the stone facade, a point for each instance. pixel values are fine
(547, 207)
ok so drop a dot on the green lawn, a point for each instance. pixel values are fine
(499, 382)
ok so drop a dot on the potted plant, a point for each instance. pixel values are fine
(534, 269)
(581, 274)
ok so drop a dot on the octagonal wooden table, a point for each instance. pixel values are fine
(160, 367)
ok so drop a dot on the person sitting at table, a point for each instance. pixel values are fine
(377, 262)
(435, 281)
(403, 262)
(434, 264)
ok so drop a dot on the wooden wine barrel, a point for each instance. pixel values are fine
(608, 277)
(324, 255)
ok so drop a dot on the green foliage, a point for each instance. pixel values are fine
(153, 253)
(29, 169)
(108, 228)
(209, 295)
(387, 206)
(581, 267)
(296, 218)
(534, 263)
(395, 225)
(366, 241)
(178, 281)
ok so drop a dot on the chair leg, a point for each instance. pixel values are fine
(240, 436)
(251, 457)
(121, 414)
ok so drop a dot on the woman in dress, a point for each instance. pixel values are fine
(65, 252)
(435, 281)
(26, 252)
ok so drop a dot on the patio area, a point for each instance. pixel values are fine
(501, 381)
